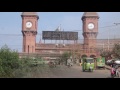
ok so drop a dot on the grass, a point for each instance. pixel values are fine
(40, 71)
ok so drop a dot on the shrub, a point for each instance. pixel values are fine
(9, 61)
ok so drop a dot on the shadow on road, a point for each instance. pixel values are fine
(109, 77)
(87, 72)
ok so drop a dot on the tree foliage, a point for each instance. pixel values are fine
(9, 60)
(65, 56)
(116, 51)
(105, 53)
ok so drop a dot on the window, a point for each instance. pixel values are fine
(90, 60)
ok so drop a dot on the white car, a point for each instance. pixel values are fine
(117, 61)
(109, 62)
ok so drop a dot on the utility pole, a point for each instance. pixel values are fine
(116, 25)
(103, 46)
(108, 40)
(63, 38)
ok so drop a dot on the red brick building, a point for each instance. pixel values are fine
(88, 47)
(90, 32)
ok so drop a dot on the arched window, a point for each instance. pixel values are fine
(92, 56)
(32, 48)
(84, 56)
(28, 48)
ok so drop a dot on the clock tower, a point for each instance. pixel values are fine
(29, 31)
(90, 31)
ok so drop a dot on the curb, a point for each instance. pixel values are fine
(107, 67)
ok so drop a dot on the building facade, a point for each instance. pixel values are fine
(90, 32)
(88, 47)
(29, 31)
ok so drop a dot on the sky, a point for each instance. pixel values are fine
(11, 24)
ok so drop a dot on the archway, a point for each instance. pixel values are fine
(84, 56)
(92, 56)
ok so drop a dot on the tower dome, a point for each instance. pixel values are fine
(90, 14)
(30, 14)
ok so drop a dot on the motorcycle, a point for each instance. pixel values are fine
(114, 72)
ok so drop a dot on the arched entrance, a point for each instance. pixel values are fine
(92, 56)
(83, 56)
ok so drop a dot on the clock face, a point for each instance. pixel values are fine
(91, 26)
(28, 24)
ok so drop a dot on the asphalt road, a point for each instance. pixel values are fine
(76, 72)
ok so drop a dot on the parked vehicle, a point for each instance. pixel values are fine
(109, 62)
(117, 61)
(101, 62)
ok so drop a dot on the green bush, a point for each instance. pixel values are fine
(64, 57)
(13, 67)
(9, 61)
(116, 51)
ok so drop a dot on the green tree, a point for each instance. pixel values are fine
(65, 56)
(106, 54)
(9, 60)
(116, 51)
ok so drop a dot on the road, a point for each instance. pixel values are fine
(76, 72)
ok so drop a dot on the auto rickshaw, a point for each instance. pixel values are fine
(101, 62)
(88, 64)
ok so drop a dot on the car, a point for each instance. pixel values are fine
(117, 62)
(109, 62)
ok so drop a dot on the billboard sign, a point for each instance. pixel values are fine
(59, 35)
